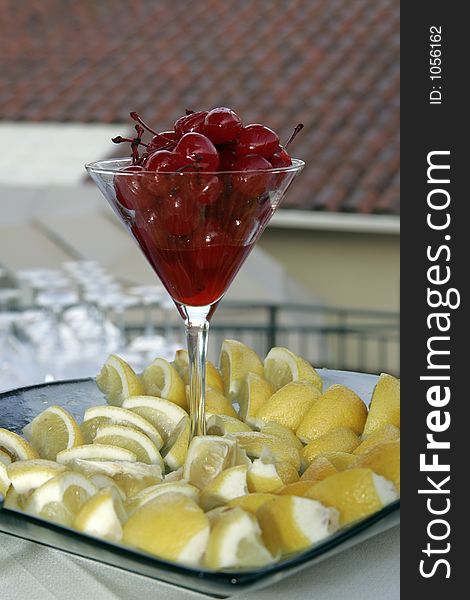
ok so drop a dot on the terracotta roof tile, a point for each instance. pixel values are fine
(332, 64)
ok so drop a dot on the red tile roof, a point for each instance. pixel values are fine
(331, 64)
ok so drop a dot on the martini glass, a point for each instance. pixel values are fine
(195, 242)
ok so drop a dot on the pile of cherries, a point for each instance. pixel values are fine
(230, 162)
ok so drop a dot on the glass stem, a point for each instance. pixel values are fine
(197, 330)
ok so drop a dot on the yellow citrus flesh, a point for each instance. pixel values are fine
(5, 458)
(130, 477)
(292, 524)
(52, 431)
(171, 526)
(151, 492)
(263, 477)
(96, 452)
(228, 484)
(163, 414)
(385, 404)
(383, 459)
(337, 440)
(213, 377)
(102, 515)
(4, 480)
(15, 446)
(27, 475)
(207, 457)
(254, 392)
(97, 417)
(235, 542)
(339, 406)
(355, 493)
(281, 366)
(130, 439)
(217, 404)
(386, 433)
(257, 444)
(222, 424)
(236, 361)
(61, 498)
(251, 502)
(289, 405)
(117, 380)
(176, 448)
(161, 379)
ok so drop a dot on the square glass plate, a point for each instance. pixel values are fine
(19, 407)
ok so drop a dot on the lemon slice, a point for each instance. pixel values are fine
(328, 463)
(283, 433)
(289, 405)
(339, 406)
(291, 524)
(236, 361)
(163, 414)
(228, 484)
(216, 403)
(213, 377)
(96, 417)
(161, 379)
(104, 481)
(356, 493)
(151, 492)
(281, 366)
(96, 452)
(254, 392)
(222, 424)
(176, 448)
(341, 439)
(130, 477)
(117, 380)
(251, 502)
(383, 459)
(27, 475)
(4, 480)
(102, 515)
(235, 542)
(5, 458)
(208, 456)
(386, 433)
(15, 446)
(61, 498)
(171, 526)
(52, 431)
(385, 404)
(257, 444)
(130, 439)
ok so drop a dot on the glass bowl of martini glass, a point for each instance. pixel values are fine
(196, 208)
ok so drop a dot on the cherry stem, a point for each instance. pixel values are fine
(136, 117)
(297, 128)
(119, 140)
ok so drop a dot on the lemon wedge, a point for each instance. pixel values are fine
(61, 498)
(130, 439)
(228, 484)
(385, 404)
(292, 524)
(283, 433)
(339, 406)
(222, 424)
(254, 392)
(96, 417)
(4, 480)
(102, 515)
(341, 439)
(281, 366)
(171, 526)
(326, 464)
(15, 446)
(235, 541)
(355, 493)
(27, 475)
(208, 455)
(236, 361)
(5, 458)
(216, 403)
(161, 379)
(96, 452)
(383, 459)
(163, 414)
(213, 377)
(298, 488)
(289, 405)
(117, 380)
(257, 444)
(176, 448)
(151, 492)
(386, 433)
(251, 502)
